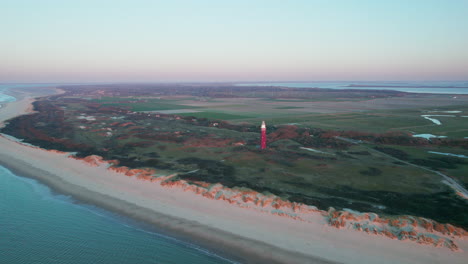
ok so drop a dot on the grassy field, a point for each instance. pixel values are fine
(289, 107)
(380, 121)
(215, 115)
(359, 116)
(452, 166)
(376, 121)
(356, 176)
(150, 106)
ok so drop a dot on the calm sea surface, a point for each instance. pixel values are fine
(41, 227)
(38, 226)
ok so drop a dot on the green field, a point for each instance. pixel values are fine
(288, 107)
(331, 173)
(150, 106)
(215, 115)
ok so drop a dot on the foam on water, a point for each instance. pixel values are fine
(5, 98)
(4, 88)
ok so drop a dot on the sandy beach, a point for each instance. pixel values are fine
(243, 234)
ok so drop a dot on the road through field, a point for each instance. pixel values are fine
(458, 188)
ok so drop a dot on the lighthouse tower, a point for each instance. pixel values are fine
(263, 137)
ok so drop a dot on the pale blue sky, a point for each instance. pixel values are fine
(208, 40)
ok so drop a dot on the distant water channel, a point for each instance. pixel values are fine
(412, 87)
(41, 227)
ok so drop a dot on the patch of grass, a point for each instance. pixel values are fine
(150, 106)
(111, 99)
(215, 115)
(397, 153)
(452, 166)
(288, 107)
(286, 100)
(371, 171)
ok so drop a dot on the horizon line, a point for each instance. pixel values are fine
(226, 82)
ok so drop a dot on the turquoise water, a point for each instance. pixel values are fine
(5, 98)
(41, 227)
(439, 87)
(38, 226)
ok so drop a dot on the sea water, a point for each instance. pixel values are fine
(41, 227)
(5, 98)
(439, 87)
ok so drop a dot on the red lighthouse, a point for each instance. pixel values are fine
(263, 137)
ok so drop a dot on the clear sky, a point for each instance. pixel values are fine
(238, 40)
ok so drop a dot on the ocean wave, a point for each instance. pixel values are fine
(4, 98)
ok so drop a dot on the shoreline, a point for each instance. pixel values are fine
(210, 223)
(217, 241)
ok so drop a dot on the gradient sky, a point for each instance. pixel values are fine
(216, 40)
